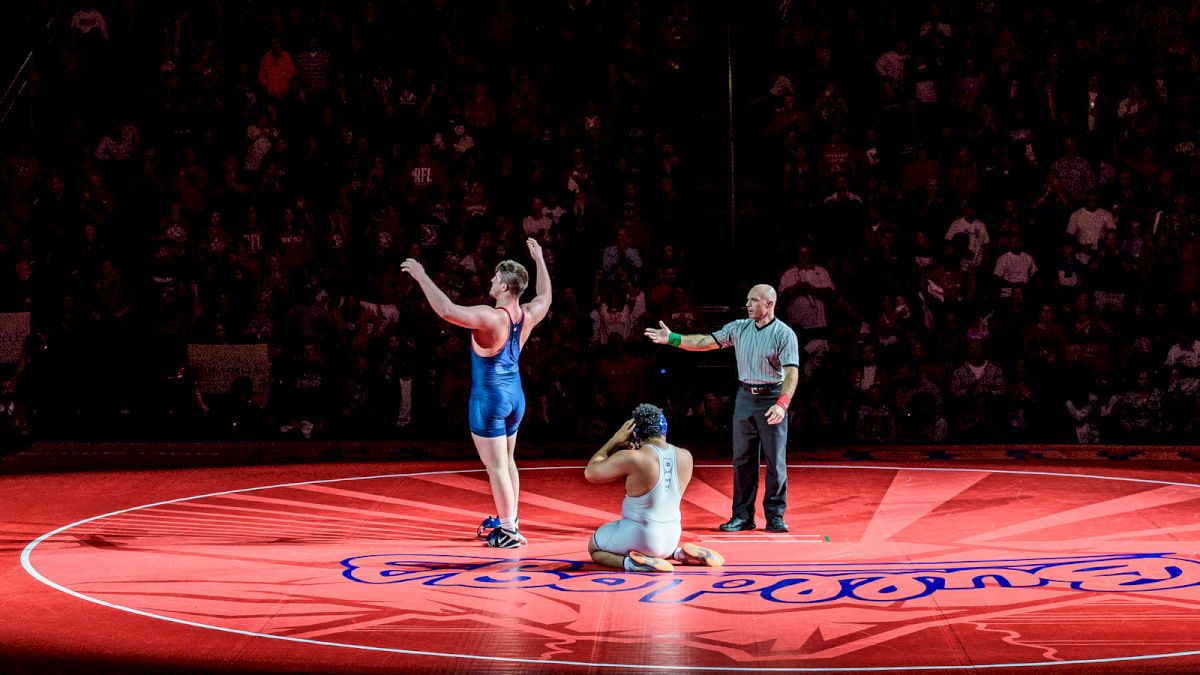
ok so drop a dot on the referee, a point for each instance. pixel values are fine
(768, 359)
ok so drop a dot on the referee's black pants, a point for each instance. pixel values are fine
(752, 439)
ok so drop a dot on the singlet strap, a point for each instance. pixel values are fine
(510, 318)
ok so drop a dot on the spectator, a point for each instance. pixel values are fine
(1140, 410)
(614, 316)
(976, 235)
(1015, 268)
(1075, 172)
(803, 291)
(621, 254)
(928, 425)
(892, 63)
(313, 66)
(976, 387)
(225, 211)
(1088, 225)
(538, 222)
(1089, 408)
(1183, 359)
(88, 21)
(875, 422)
(276, 70)
(1022, 401)
(1111, 275)
(119, 144)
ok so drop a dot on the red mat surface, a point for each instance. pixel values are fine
(375, 568)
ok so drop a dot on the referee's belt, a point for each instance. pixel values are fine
(757, 389)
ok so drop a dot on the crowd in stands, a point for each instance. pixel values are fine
(978, 215)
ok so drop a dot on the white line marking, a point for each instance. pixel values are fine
(767, 541)
(763, 537)
(775, 535)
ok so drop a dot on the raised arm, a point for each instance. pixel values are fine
(540, 305)
(473, 317)
(692, 343)
(609, 463)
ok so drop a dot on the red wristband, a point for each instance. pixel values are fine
(784, 401)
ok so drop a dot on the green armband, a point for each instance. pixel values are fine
(674, 339)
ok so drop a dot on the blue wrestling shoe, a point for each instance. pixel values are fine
(490, 523)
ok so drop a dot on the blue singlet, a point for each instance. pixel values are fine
(497, 401)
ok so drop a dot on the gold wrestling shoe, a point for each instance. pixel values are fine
(645, 563)
(695, 554)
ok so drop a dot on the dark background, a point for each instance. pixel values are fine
(161, 189)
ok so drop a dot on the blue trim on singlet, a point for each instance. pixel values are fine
(497, 401)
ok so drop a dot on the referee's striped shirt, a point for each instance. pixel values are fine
(762, 353)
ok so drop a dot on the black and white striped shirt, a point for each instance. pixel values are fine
(762, 353)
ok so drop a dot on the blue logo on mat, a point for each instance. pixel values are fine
(785, 583)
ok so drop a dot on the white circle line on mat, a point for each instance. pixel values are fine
(29, 568)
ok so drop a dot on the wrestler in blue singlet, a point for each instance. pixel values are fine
(497, 401)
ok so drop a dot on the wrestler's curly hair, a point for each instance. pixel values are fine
(514, 275)
(648, 421)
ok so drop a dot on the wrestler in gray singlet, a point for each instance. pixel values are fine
(650, 523)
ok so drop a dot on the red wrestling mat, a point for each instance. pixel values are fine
(373, 568)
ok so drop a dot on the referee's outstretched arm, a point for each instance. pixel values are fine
(692, 343)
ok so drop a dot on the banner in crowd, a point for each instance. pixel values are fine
(14, 328)
(217, 366)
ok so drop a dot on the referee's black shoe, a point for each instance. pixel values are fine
(736, 524)
(777, 524)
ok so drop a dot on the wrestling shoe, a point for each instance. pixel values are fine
(695, 554)
(502, 538)
(490, 523)
(644, 563)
